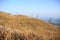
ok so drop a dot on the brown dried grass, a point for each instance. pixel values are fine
(18, 27)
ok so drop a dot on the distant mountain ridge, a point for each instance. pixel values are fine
(54, 21)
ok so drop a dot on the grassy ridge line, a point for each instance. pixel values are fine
(25, 24)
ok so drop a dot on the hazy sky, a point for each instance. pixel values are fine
(45, 8)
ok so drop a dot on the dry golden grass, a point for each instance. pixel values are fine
(19, 27)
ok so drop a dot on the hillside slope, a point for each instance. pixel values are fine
(30, 28)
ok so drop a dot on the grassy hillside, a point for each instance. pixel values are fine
(20, 27)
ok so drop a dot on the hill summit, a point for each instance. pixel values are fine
(20, 27)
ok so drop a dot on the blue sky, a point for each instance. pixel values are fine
(45, 8)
